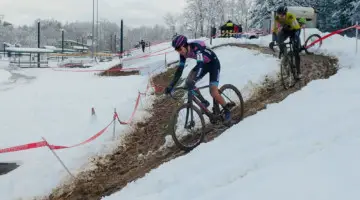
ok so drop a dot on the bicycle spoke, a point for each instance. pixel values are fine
(235, 101)
(188, 127)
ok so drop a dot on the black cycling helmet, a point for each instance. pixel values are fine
(282, 10)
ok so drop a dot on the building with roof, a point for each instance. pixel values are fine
(72, 44)
(28, 57)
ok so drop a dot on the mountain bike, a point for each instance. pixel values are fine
(192, 112)
(288, 69)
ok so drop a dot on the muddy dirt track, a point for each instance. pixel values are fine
(125, 165)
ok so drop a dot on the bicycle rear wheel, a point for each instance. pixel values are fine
(235, 99)
(194, 124)
(287, 71)
(315, 47)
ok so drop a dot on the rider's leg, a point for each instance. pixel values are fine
(274, 37)
(214, 73)
(297, 46)
(190, 83)
(282, 36)
(214, 91)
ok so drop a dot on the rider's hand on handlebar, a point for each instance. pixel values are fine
(286, 27)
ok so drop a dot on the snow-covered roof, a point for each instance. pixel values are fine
(75, 42)
(57, 49)
(71, 41)
(79, 47)
(50, 47)
(29, 50)
(8, 44)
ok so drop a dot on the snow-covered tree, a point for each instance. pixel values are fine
(261, 10)
(78, 31)
(171, 22)
(355, 11)
(239, 11)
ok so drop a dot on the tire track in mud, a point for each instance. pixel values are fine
(142, 150)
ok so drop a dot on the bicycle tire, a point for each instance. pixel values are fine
(174, 123)
(238, 93)
(285, 68)
(317, 36)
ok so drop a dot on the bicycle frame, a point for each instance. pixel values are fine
(287, 45)
(192, 97)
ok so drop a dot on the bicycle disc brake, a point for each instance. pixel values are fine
(190, 125)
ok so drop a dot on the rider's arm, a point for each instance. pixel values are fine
(294, 24)
(179, 71)
(275, 25)
(199, 62)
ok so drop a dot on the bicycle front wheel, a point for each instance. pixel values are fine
(286, 72)
(187, 127)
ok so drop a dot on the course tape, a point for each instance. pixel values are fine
(331, 34)
(39, 144)
(35, 145)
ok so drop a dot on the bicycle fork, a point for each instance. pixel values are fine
(189, 110)
(192, 122)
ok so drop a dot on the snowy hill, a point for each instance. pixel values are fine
(301, 148)
(268, 149)
(56, 104)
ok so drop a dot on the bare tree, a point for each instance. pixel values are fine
(171, 22)
(239, 11)
(197, 8)
(51, 33)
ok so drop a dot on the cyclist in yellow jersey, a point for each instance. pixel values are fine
(289, 27)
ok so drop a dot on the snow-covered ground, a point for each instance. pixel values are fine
(56, 105)
(302, 148)
(38, 103)
(4, 75)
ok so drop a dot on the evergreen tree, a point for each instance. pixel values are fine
(261, 11)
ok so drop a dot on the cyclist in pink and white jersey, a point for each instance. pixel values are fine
(207, 62)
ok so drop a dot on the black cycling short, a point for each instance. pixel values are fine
(213, 68)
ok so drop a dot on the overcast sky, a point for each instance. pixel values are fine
(134, 12)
